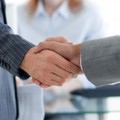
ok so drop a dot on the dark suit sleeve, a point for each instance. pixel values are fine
(12, 50)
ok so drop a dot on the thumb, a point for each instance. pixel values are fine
(42, 46)
(58, 39)
(65, 50)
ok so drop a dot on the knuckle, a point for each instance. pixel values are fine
(62, 38)
(41, 44)
(49, 39)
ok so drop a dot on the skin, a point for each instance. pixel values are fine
(48, 68)
(51, 6)
(62, 47)
(42, 77)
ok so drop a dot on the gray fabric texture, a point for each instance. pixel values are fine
(101, 60)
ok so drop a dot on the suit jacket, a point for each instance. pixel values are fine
(101, 60)
(12, 50)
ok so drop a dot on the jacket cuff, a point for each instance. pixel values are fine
(12, 51)
(20, 53)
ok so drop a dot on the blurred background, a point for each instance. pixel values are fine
(109, 14)
(108, 8)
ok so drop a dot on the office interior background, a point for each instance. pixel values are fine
(110, 10)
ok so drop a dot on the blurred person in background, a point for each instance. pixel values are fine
(76, 20)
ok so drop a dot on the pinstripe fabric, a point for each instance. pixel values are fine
(12, 50)
(7, 96)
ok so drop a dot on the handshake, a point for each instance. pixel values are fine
(52, 62)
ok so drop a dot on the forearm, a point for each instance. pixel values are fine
(101, 61)
(12, 49)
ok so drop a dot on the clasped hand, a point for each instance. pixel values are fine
(52, 62)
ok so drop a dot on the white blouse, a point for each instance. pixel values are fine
(77, 28)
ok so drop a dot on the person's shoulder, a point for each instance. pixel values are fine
(22, 10)
(90, 7)
(22, 7)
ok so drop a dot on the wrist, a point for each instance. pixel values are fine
(76, 54)
(25, 63)
(76, 51)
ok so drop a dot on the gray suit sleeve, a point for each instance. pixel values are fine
(101, 60)
(12, 50)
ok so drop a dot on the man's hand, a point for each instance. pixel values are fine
(61, 46)
(48, 68)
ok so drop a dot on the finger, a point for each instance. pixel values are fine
(75, 70)
(42, 46)
(57, 39)
(44, 86)
(60, 48)
(49, 81)
(36, 81)
(54, 46)
(59, 74)
(66, 65)
(40, 84)
(60, 79)
(52, 83)
(55, 83)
